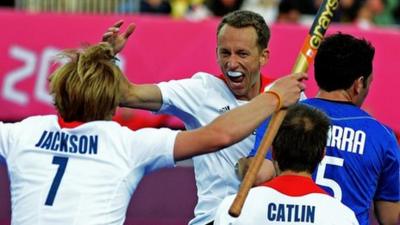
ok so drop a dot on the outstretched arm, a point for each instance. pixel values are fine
(237, 124)
(140, 96)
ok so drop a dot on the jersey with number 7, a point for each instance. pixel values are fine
(78, 173)
(362, 158)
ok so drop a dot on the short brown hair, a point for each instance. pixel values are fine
(300, 142)
(244, 18)
(87, 87)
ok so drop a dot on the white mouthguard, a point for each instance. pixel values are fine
(234, 73)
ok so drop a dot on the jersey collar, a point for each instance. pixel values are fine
(294, 185)
(72, 124)
(335, 101)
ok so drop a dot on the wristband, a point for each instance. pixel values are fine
(278, 96)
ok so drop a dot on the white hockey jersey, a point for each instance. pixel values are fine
(198, 101)
(84, 174)
(287, 199)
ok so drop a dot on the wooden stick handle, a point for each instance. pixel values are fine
(304, 59)
(251, 174)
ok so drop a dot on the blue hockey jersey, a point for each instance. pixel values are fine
(362, 157)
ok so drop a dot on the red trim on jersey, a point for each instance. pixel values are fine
(72, 124)
(265, 81)
(294, 185)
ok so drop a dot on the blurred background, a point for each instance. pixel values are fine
(173, 40)
(362, 13)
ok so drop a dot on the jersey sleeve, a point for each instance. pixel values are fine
(259, 136)
(152, 148)
(183, 98)
(222, 216)
(6, 137)
(10, 133)
(388, 188)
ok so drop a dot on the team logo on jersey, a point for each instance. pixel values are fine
(224, 109)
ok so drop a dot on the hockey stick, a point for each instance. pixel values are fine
(304, 59)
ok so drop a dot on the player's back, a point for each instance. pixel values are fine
(84, 174)
(266, 206)
(361, 158)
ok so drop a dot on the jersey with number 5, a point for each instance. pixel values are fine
(362, 158)
(84, 174)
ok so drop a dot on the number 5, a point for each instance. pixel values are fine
(332, 184)
(62, 162)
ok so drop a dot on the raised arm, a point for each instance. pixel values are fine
(116, 38)
(140, 96)
(237, 124)
(144, 96)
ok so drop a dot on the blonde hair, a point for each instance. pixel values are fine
(87, 87)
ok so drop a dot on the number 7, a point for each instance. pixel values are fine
(62, 162)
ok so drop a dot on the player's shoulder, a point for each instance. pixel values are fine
(39, 118)
(28, 125)
(341, 212)
(37, 121)
(200, 81)
(204, 76)
(340, 111)
(209, 80)
(261, 194)
(328, 202)
(262, 189)
(107, 126)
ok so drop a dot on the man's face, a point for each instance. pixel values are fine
(240, 60)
